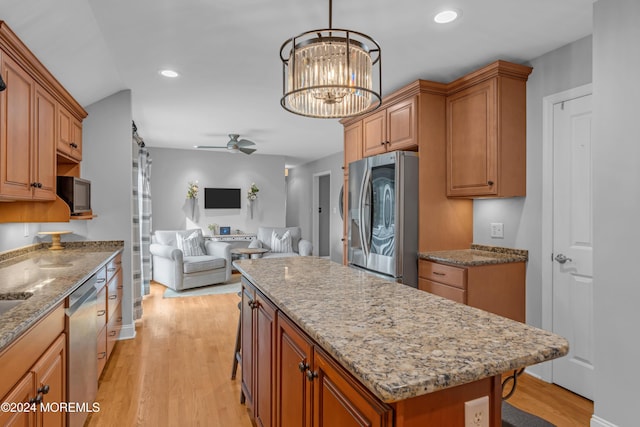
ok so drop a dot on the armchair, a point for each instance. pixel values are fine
(178, 272)
(299, 245)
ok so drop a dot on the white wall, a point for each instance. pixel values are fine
(173, 169)
(556, 71)
(300, 199)
(616, 177)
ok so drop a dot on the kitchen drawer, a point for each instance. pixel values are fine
(101, 307)
(113, 329)
(447, 274)
(113, 266)
(102, 350)
(114, 296)
(446, 291)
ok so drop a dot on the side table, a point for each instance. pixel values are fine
(249, 253)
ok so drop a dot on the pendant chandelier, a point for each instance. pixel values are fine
(329, 73)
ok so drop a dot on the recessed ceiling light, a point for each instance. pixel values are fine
(169, 73)
(446, 16)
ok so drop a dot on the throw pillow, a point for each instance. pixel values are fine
(281, 243)
(191, 244)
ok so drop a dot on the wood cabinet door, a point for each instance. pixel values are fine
(21, 393)
(472, 144)
(402, 125)
(65, 131)
(338, 400)
(374, 134)
(50, 376)
(16, 131)
(352, 144)
(264, 353)
(44, 146)
(76, 140)
(246, 346)
(293, 389)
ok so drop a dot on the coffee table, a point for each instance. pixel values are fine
(249, 253)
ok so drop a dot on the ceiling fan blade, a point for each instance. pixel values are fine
(246, 150)
(245, 143)
(210, 146)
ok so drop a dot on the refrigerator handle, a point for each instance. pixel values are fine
(365, 213)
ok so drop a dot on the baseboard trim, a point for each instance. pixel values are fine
(596, 421)
(128, 332)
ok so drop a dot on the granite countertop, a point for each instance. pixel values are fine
(477, 255)
(398, 341)
(50, 276)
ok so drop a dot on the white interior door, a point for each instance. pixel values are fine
(572, 243)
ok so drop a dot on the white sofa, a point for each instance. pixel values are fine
(301, 247)
(178, 272)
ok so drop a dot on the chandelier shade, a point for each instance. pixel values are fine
(331, 73)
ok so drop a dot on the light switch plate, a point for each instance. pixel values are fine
(497, 230)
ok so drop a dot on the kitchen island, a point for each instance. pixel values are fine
(371, 350)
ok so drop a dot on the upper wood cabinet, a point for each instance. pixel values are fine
(486, 133)
(36, 113)
(393, 128)
(69, 142)
(27, 117)
(352, 144)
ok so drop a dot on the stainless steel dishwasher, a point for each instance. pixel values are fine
(82, 362)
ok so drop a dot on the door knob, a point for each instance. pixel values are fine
(562, 259)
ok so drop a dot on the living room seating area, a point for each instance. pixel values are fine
(282, 242)
(182, 259)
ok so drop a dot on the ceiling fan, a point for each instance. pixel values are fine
(234, 145)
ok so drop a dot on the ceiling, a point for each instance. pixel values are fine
(227, 54)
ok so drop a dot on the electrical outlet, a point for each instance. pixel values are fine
(26, 230)
(497, 230)
(476, 412)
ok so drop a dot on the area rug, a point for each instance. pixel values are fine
(231, 287)
(514, 417)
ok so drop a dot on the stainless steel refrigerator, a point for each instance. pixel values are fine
(383, 216)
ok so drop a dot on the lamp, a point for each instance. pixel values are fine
(329, 73)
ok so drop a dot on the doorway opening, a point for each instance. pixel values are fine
(322, 214)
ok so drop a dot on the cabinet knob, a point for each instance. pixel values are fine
(112, 333)
(253, 304)
(113, 296)
(44, 389)
(383, 142)
(311, 375)
(73, 145)
(37, 399)
(490, 182)
(302, 366)
(34, 184)
(101, 313)
(102, 355)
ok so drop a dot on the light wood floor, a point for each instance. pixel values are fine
(177, 372)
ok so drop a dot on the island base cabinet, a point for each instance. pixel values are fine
(446, 407)
(338, 400)
(312, 389)
(293, 389)
(258, 334)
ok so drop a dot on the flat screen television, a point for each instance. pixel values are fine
(222, 198)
